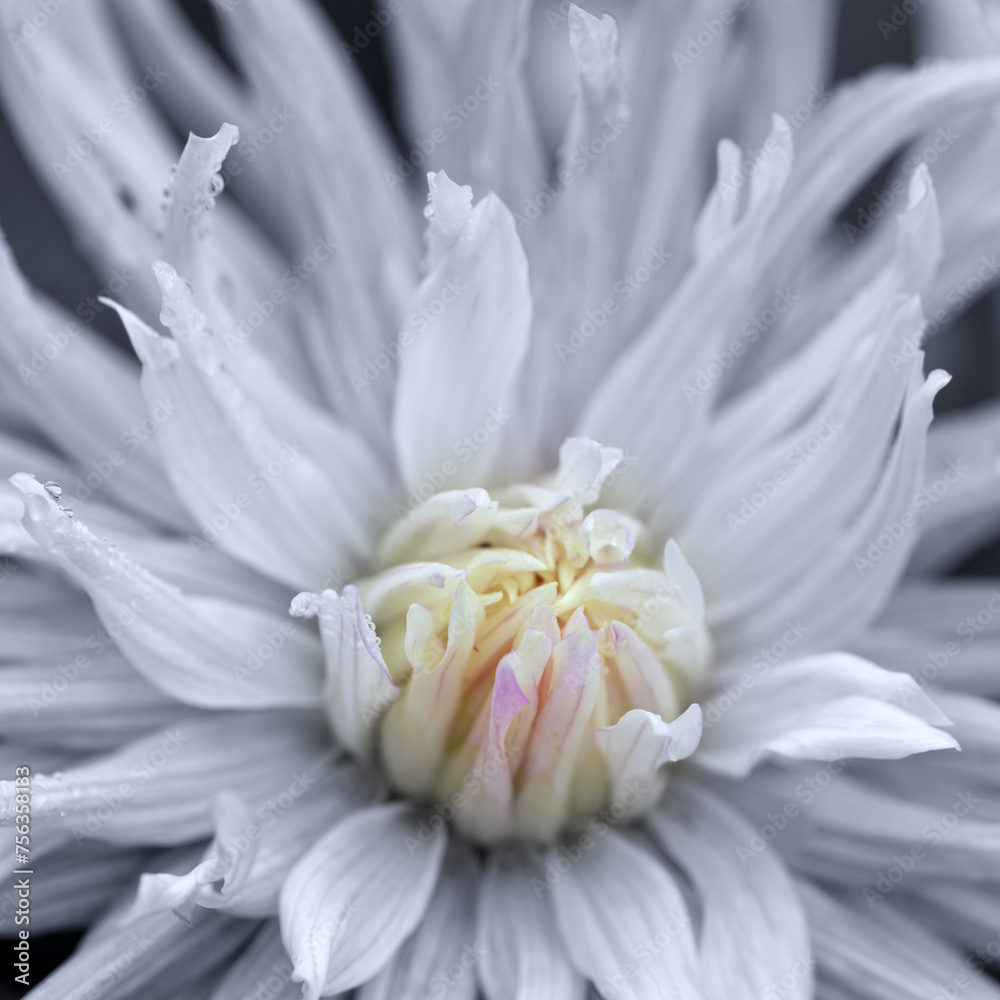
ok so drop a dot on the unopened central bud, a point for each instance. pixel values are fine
(545, 666)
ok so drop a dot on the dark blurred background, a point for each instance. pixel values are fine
(45, 252)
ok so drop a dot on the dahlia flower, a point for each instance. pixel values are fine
(550, 606)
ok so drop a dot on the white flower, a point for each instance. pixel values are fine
(602, 505)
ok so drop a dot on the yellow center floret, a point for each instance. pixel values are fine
(539, 657)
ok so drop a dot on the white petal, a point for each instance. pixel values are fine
(92, 700)
(624, 921)
(851, 829)
(263, 965)
(276, 483)
(441, 956)
(651, 373)
(637, 746)
(962, 484)
(819, 708)
(946, 633)
(359, 687)
(464, 343)
(473, 53)
(353, 899)
(254, 849)
(304, 87)
(201, 651)
(55, 368)
(523, 957)
(162, 956)
(753, 931)
(159, 789)
(884, 955)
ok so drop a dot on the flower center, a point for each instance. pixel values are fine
(543, 663)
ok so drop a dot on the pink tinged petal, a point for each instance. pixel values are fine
(356, 896)
(489, 796)
(614, 908)
(754, 931)
(441, 956)
(358, 687)
(821, 708)
(293, 501)
(523, 957)
(201, 651)
(468, 335)
(637, 746)
(559, 735)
